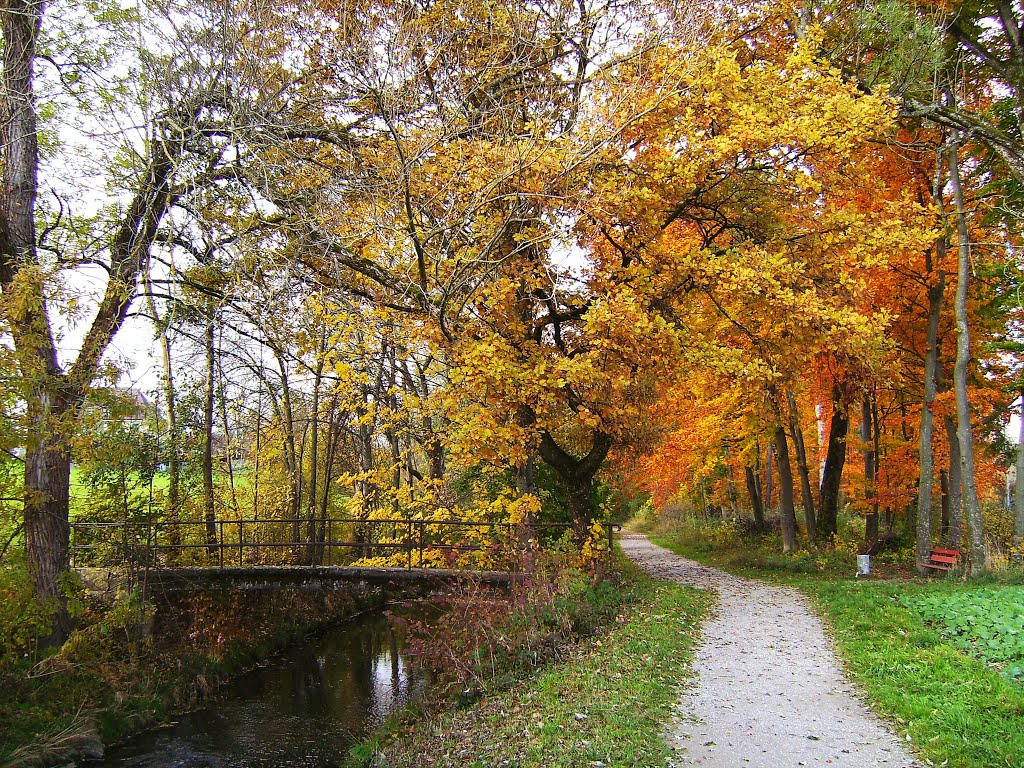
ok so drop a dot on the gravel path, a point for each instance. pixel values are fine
(770, 692)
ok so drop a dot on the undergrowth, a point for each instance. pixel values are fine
(125, 668)
(479, 641)
(604, 702)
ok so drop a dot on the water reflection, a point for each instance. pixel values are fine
(305, 709)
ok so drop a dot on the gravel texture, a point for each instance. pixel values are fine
(769, 691)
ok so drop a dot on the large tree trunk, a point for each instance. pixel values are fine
(835, 459)
(787, 512)
(802, 468)
(53, 399)
(577, 476)
(47, 502)
(926, 479)
(47, 486)
(972, 507)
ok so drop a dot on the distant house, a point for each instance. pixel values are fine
(120, 405)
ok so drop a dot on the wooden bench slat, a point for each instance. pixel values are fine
(942, 559)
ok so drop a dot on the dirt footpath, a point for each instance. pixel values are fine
(770, 692)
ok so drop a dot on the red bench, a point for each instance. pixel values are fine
(942, 559)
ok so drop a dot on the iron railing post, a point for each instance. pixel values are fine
(423, 531)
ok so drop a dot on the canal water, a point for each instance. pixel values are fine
(306, 708)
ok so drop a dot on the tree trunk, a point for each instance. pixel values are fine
(926, 479)
(870, 499)
(314, 455)
(292, 460)
(769, 480)
(755, 499)
(787, 512)
(209, 509)
(577, 475)
(944, 504)
(1018, 491)
(802, 468)
(956, 503)
(835, 459)
(972, 507)
(170, 398)
(47, 503)
(731, 487)
(53, 399)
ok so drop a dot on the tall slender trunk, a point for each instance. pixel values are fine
(171, 403)
(769, 480)
(926, 479)
(1018, 491)
(787, 512)
(819, 417)
(333, 438)
(730, 486)
(972, 507)
(314, 454)
(801, 464)
(229, 463)
(956, 497)
(755, 498)
(835, 459)
(292, 460)
(944, 504)
(209, 510)
(870, 497)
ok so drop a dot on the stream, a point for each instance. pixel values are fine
(306, 708)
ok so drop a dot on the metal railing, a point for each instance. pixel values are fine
(257, 542)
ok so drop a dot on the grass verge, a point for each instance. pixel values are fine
(956, 711)
(607, 705)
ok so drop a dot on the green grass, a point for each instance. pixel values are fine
(956, 710)
(953, 706)
(988, 623)
(608, 704)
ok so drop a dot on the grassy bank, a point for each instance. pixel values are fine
(606, 704)
(128, 668)
(930, 681)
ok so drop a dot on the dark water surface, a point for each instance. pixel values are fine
(306, 708)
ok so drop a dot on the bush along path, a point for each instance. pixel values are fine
(770, 691)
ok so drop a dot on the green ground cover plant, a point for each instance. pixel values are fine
(894, 639)
(987, 623)
(605, 704)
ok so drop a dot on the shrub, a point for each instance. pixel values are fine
(479, 640)
(23, 619)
